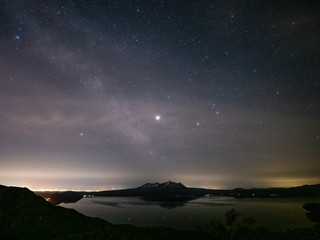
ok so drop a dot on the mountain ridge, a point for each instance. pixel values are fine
(175, 192)
(167, 184)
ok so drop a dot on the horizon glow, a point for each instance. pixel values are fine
(95, 95)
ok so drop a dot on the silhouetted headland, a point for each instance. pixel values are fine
(313, 211)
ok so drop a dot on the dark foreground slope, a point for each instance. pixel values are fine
(24, 215)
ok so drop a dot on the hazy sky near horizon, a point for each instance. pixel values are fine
(113, 94)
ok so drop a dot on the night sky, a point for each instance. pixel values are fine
(113, 94)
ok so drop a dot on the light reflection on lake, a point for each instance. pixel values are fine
(278, 214)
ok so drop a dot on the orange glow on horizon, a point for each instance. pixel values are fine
(65, 190)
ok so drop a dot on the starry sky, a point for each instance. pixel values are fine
(112, 94)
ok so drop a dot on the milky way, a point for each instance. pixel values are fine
(113, 94)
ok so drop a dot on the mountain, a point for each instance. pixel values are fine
(176, 192)
(165, 185)
(171, 191)
(25, 216)
(150, 185)
(167, 192)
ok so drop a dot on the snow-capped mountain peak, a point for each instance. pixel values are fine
(168, 184)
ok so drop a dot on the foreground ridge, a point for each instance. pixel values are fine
(24, 215)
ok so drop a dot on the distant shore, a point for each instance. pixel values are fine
(176, 192)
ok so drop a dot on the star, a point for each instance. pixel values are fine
(106, 99)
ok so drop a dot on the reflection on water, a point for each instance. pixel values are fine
(278, 214)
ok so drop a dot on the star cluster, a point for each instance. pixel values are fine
(103, 94)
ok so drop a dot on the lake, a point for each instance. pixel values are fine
(275, 213)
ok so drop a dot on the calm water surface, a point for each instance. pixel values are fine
(278, 214)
